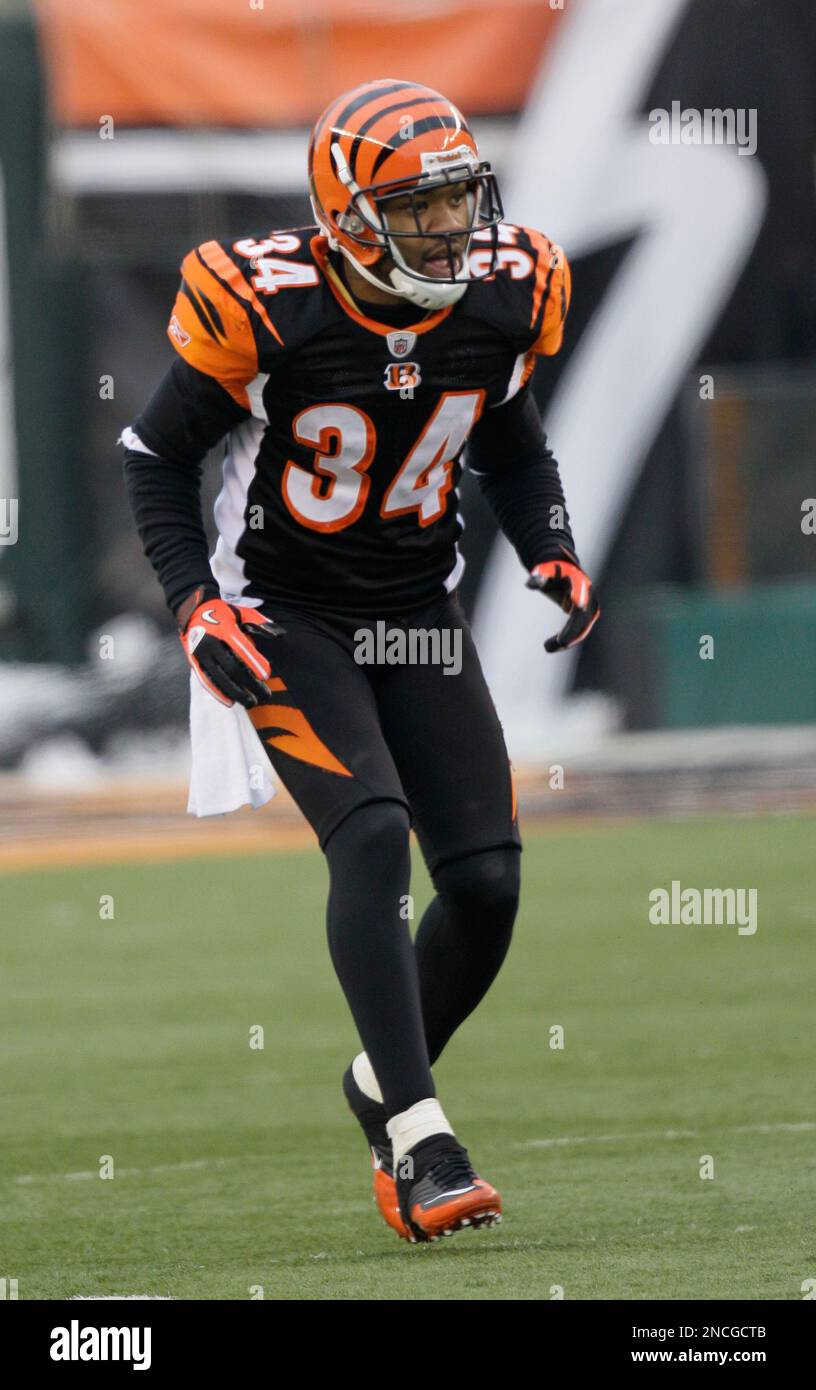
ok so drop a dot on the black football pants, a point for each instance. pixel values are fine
(369, 748)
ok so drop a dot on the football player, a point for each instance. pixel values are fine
(351, 365)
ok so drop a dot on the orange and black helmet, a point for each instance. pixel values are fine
(385, 140)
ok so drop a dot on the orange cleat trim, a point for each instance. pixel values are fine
(481, 1207)
(385, 1195)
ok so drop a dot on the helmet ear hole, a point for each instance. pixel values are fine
(350, 222)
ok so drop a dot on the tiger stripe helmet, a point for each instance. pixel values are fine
(384, 140)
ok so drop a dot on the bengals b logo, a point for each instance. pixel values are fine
(402, 376)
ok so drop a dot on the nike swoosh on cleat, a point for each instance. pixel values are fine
(456, 1192)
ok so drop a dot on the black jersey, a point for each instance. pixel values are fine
(346, 433)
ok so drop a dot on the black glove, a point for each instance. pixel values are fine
(566, 584)
(222, 654)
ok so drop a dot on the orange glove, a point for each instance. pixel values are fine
(225, 659)
(566, 584)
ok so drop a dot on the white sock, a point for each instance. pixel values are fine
(411, 1126)
(363, 1073)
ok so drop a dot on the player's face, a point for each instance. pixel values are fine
(439, 210)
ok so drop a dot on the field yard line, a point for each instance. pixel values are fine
(626, 1135)
(84, 1175)
(797, 1127)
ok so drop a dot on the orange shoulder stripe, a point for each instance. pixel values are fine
(543, 269)
(552, 279)
(212, 331)
(217, 259)
(552, 329)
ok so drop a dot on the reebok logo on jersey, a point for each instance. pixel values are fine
(180, 334)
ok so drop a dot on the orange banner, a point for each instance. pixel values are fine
(279, 62)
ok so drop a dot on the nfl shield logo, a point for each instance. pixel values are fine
(400, 343)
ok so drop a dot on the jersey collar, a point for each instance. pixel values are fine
(320, 251)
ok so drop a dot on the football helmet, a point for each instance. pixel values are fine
(388, 140)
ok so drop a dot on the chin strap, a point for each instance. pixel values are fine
(364, 271)
(424, 292)
(402, 286)
(426, 296)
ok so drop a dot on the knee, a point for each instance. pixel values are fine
(483, 887)
(374, 834)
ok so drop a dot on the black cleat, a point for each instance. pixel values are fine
(438, 1191)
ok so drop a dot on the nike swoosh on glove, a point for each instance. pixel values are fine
(566, 584)
(222, 654)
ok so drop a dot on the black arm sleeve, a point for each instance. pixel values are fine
(187, 414)
(507, 451)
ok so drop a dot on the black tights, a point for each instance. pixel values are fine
(408, 999)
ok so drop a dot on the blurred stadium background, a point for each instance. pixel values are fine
(683, 408)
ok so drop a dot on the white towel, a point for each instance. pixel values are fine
(229, 766)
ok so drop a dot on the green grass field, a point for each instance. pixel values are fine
(236, 1168)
